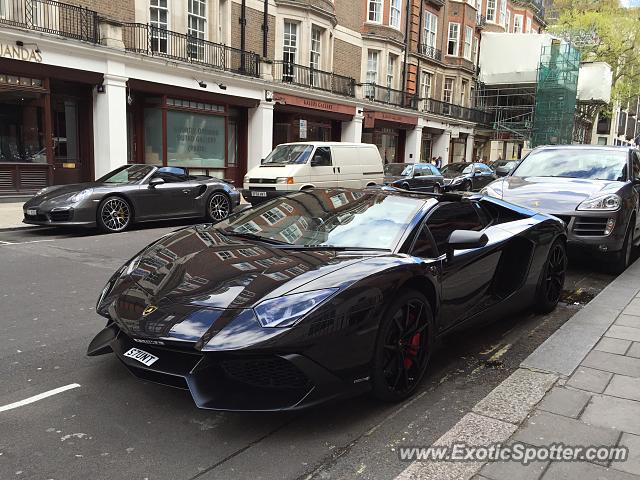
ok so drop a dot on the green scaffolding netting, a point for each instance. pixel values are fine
(556, 95)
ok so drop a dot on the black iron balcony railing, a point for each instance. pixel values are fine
(53, 17)
(310, 77)
(481, 21)
(378, 93)
(456, 111)
(430, 52)
(159, 42)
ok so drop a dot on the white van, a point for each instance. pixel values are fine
(296, 166)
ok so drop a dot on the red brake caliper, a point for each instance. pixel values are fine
(412, 348)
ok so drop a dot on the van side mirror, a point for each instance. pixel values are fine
(465, 239)
(155, 181)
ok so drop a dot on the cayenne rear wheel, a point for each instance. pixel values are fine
(218, 207)
(403, 348)
(114, 215)
(552, 279)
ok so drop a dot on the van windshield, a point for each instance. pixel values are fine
(288, 155)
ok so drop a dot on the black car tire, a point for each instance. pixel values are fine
(114, 215)
(402, 350)
(552, 278)
(621, 260)
(218, 207)
(405, 186)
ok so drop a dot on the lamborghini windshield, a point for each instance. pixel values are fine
(329, 218)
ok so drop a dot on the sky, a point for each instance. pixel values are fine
(630, 3)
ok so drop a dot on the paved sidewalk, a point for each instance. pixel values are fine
(581, 387)
(11, 215)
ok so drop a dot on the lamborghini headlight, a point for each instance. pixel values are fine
(608, 202)
(285, 311)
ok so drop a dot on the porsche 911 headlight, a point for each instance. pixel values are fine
(42, 190)
(285, 311)
(608, 202)
(81, 195)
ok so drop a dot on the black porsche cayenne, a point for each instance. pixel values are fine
(324, 294)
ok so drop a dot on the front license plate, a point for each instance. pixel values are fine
(140, 355)
(32, 211)
(258, 194)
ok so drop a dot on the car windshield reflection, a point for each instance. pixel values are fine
(127, 174)
(597, 164)
(329, 218)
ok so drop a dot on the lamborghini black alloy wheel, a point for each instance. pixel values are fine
(405, 347)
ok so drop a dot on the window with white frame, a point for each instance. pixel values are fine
(454, 39)
(468, 40)
(430, 30)
(475, 50)
(375, 11)
(463, 93)
(158, 22)
(372, 72)
(491, 10)
(425, 84)
(508, 25)
(528, 29)
(447, 91)
(289, 50)
(314, 55)
(503, 12)
(394, 13)
(391, 67)
(273, 216)
(517, 24)
(196, 27)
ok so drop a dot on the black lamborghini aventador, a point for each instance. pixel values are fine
(324, 294)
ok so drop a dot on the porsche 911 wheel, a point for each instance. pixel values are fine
(114, 215)
(552, 280)
(403, 349)
(218, 207)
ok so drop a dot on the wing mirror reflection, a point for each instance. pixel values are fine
(465, 239)
(154, 182)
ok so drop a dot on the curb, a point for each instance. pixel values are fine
(496, 417)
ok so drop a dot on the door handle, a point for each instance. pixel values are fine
(185, 190)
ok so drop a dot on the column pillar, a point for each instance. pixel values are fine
(352, 130)
(413, 144)
(260, 133)
(440, 146)
(110, 124)
(468, 154)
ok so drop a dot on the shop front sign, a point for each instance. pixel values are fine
(15, 52)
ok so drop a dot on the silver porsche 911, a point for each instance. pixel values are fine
(133, 193)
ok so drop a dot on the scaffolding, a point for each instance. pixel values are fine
(511, 107)
(555, 97)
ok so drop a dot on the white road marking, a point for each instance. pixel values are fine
(24, 243)
(40, 396)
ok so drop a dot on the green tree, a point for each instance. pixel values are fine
(604, 32)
